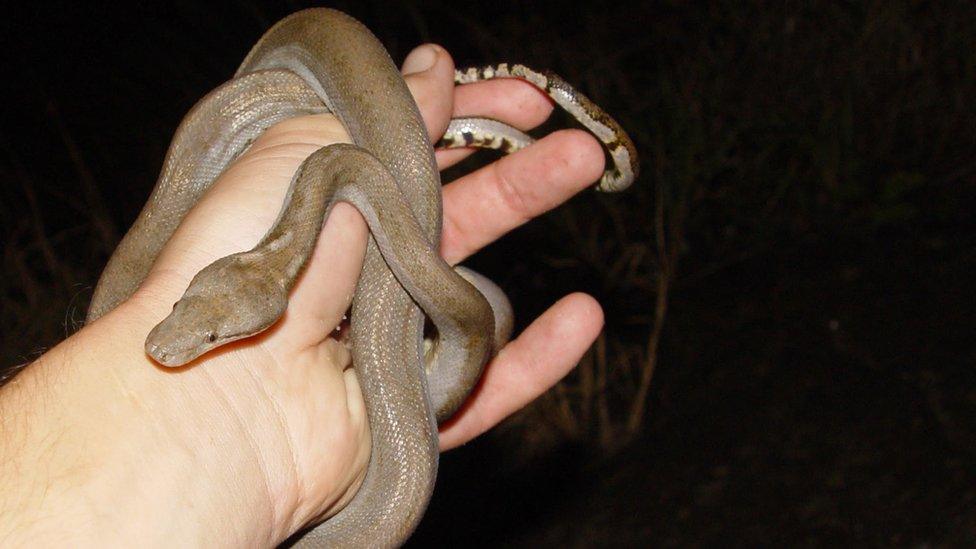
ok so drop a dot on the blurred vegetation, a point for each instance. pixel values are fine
(788, 354)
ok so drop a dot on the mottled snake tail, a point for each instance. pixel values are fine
(619, 145)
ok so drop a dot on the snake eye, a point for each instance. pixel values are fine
(212, 337)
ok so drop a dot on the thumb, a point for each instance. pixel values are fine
(429, 72)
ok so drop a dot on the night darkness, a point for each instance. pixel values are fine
(791, 265)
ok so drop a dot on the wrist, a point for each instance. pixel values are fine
(100, 445)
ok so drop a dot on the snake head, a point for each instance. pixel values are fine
(227, 301)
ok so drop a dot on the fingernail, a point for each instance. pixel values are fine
(420, 59)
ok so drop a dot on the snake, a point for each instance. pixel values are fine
(323, 61)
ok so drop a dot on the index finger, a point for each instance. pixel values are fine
(482, 206)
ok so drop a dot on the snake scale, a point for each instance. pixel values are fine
(321, 60)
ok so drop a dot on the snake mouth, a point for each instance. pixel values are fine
(168, 357)
(172, 347)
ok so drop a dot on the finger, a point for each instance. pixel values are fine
(529, 365)
(512, 100)
(334, 266)
(509, 100)
(325, 288)
(429, 73)
(517, 188)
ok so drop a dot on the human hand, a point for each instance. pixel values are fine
(286, 411)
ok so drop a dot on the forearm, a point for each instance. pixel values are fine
(98, 446)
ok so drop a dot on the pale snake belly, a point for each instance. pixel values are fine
(315, 61)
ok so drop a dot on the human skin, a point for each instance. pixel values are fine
(243, 447)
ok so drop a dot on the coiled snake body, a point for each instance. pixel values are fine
(314, 61)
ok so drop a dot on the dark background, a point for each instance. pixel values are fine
(791, 265)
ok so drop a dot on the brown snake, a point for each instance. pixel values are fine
(315, 61)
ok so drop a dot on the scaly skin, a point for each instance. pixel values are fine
(321, 60)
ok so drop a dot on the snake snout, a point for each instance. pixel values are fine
(168, 346)
(170, 358)
(158, 353)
